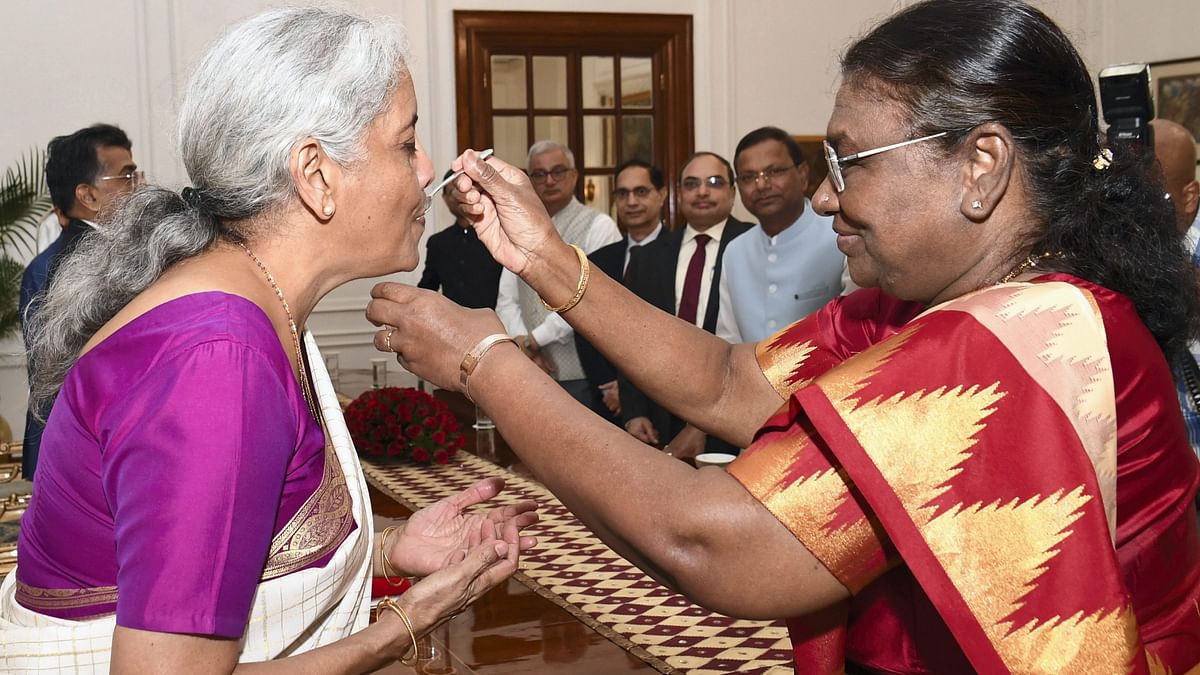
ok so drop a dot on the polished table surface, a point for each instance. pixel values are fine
(511, 629)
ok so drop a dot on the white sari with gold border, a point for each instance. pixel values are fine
(292, 613)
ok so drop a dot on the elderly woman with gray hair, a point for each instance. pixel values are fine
(199, 503)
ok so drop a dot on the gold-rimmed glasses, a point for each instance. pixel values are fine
(134, 177)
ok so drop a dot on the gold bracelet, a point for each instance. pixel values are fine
(475, 355)
(385, 566)
(391, 604)
(585, 272)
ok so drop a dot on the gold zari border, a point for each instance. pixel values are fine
(65, 598)
(317, 528)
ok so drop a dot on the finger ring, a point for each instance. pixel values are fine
(387, 339)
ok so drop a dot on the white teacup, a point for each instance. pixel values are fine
(719, 459)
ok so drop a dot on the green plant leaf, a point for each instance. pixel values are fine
(24, 202)
(10, 284)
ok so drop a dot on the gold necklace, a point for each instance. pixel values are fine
(305, 387)
(1026, 265)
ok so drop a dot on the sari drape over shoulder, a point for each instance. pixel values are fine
(295, 608)
(998, 486)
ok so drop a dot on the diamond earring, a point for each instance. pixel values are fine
(975, 204)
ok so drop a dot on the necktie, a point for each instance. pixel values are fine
(629, 260)
(690, 299)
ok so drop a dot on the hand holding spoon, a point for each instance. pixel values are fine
(438, 188)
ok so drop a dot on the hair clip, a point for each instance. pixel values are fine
(1102, 160)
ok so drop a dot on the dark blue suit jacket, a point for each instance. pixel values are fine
(610, 260)
(652, 277)
(36, 279)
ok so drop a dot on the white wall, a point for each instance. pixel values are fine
(70, 63)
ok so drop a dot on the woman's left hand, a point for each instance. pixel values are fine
(441, 534)
(431, 334)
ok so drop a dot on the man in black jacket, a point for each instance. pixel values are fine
(639, 195)
(458, 263)
(680, 273)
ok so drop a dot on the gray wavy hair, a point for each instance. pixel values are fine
(542, 147)
(269, 82)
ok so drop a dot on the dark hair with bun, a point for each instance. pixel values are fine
(956, 64)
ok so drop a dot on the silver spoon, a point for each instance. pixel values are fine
(438, 188)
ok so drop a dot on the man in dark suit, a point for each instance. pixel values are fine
(87, 172)
(680, 273)
(639, 196)
(458, 263)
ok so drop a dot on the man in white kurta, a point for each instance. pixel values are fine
(543, 335)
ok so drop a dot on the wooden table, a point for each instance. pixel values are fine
(511, 629)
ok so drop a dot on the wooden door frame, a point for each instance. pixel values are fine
(478, 34)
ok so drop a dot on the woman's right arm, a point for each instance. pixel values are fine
(435, 599)
(699, 377)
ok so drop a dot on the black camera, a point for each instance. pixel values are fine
(1127, 105)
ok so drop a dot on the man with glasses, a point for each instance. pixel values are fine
(680, 273)
(639, 196)
(790, 265)
(543, 335)
(87, 172)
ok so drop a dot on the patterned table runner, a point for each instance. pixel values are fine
(578, 572)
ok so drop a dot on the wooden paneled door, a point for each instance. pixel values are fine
(613, 87)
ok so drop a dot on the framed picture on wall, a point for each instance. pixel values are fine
(1177, 93)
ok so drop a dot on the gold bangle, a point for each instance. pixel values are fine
(475, 355)
(391, 604)
(585, 272)
(385, 565)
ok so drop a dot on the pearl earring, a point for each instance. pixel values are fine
(977, 204)
(328, 211)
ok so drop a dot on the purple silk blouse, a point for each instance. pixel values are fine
(176, 449)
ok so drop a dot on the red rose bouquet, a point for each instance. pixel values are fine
(395, 422)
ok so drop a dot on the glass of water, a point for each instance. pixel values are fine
(378, 373)
(482, 421)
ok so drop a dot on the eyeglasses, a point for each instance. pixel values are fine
(641, 192)
(691, 184)
(768, 175)
(836, 163)
(557, 172)
(134, 177)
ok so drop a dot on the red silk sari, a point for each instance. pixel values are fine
(1003, 484)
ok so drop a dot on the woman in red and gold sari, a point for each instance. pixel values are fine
(976, 465)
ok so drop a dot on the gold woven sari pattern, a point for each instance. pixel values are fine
(993, 553)
(781, 358)
(65, 598)
(317, 528)
(807, 501)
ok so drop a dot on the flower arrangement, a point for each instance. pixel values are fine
(398, 422)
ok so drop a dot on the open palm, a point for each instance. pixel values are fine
(441, 534)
